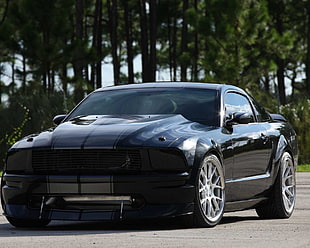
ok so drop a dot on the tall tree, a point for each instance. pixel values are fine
(78, 51)
(184, 43)
(308, 48)
(96, 70)
(144, 41)
(196, 47)
(113, 24)
(278, 9)
(128, 28)
(153, 36)
(79, 27)
(148, 28)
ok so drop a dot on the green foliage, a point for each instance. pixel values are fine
(27, 114)
(298, 114)
(303, 168)
(10, 139)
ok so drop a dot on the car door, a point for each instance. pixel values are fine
(251, 147)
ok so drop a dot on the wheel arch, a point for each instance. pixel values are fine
(203, 149)
(283, 146)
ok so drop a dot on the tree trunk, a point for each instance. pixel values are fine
(293, 80)
(13, 73)
(169, 45)
(153, 34)
(85, 67)
(308, 51)
(52, 80)
(49, 80)
(93, 68)
(184, 42)
(44, 81)
(174, 49)
(95, 77)
(281, 80)
(280, 61)
(64, 73)
(24, 76)
(98, 19)
(128, 28)
(0, 85)
(77, 65)
(144, 42)
(206, 44)
(78, 56)
(266, 82)
(196, 49)
(113, 23)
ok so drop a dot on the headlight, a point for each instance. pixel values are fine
(168, 160)
(18, 161)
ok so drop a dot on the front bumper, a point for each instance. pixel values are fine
(102, 197)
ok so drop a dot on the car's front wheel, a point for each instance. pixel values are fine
(27, 222)
(210, 193)
(282, 201)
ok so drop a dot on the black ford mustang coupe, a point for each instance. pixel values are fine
(154, 150)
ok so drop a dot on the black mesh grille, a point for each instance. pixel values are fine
(77, 161)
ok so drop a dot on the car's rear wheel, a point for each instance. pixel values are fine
(282, 201)
(210, 193)
(27, 222)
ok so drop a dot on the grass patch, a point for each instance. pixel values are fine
(303, 168)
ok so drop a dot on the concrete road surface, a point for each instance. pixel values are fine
(239, 229)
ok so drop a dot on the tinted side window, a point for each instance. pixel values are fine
(261, 113)
(235, 102)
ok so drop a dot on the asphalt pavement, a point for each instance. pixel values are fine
(238, 229)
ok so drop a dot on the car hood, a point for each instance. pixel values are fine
(115, 132)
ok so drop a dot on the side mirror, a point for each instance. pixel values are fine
(240, 118)
(58, 119)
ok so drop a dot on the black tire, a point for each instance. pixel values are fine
(210, 193)
(282, 201)
(27, 222)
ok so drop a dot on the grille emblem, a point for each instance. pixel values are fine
(127, 162)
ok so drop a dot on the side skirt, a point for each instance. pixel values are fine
(243, 205)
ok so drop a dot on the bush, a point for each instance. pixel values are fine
(28, 114)
(298, 114)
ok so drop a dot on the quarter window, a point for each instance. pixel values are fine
(261, 113)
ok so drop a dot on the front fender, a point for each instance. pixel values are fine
(204, 147)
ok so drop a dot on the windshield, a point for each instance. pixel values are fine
(198, 105)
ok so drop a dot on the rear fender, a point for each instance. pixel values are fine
(282, 146)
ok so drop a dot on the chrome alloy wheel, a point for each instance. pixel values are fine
(211, 189)
(288, 183)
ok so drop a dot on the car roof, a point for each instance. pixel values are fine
(197, 85)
